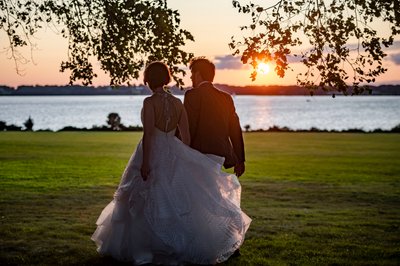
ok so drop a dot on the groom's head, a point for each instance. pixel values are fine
(202, 70)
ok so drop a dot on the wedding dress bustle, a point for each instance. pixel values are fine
(188, 210)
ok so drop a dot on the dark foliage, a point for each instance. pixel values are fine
(28, 124)
(114, 121)
(341, 34)
(5, 127)
(121, 35)
(396, 129)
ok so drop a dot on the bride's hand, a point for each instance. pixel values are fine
(145, 171)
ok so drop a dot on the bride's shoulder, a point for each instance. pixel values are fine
(148, 101)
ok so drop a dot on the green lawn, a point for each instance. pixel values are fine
(315, 198)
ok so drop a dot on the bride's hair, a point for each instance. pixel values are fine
(156, 75)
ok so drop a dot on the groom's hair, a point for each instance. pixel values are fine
(156, 75)
(204, 66)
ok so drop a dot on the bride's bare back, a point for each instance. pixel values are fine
(167, 111)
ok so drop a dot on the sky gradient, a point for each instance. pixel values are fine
(211, 22)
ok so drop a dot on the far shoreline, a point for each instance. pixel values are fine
(274, 129)
(140, 90)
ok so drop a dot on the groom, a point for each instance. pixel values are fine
(213, 123)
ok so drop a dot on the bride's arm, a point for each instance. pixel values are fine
(183, 125)
(148, 131)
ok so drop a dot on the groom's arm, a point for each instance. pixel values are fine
(192, 107)
(237, 143)
(235, 133)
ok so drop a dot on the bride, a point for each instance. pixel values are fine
(173, 205)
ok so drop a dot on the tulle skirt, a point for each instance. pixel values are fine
(188, 211)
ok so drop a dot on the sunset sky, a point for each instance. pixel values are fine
(211, 22)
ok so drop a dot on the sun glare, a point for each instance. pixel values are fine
(263, 68)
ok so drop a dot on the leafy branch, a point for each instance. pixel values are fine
(329, 27)
(121, 35)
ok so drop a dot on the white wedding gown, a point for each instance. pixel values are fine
(188, 210)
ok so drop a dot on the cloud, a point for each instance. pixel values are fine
(234, 63)
(294, 59)
(228, 62)
(395, 46)
(395, 58)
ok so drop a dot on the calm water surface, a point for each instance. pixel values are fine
(295, 112)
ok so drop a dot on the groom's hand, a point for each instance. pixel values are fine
(239, 169)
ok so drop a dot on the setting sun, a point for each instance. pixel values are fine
(263, 68)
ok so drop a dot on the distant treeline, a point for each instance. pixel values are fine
(395, 129)
(114, 124)
(143, 90)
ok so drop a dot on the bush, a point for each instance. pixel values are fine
(28, 124)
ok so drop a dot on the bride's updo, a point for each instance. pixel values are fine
(156, 75)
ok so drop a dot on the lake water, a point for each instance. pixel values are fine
(260, 112)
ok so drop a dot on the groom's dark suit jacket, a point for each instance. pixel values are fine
(213, 123)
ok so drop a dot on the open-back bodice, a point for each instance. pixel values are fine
(167, 111)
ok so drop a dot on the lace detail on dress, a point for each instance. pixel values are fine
(167, 111)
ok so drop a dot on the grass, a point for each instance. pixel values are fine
(315, 198)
